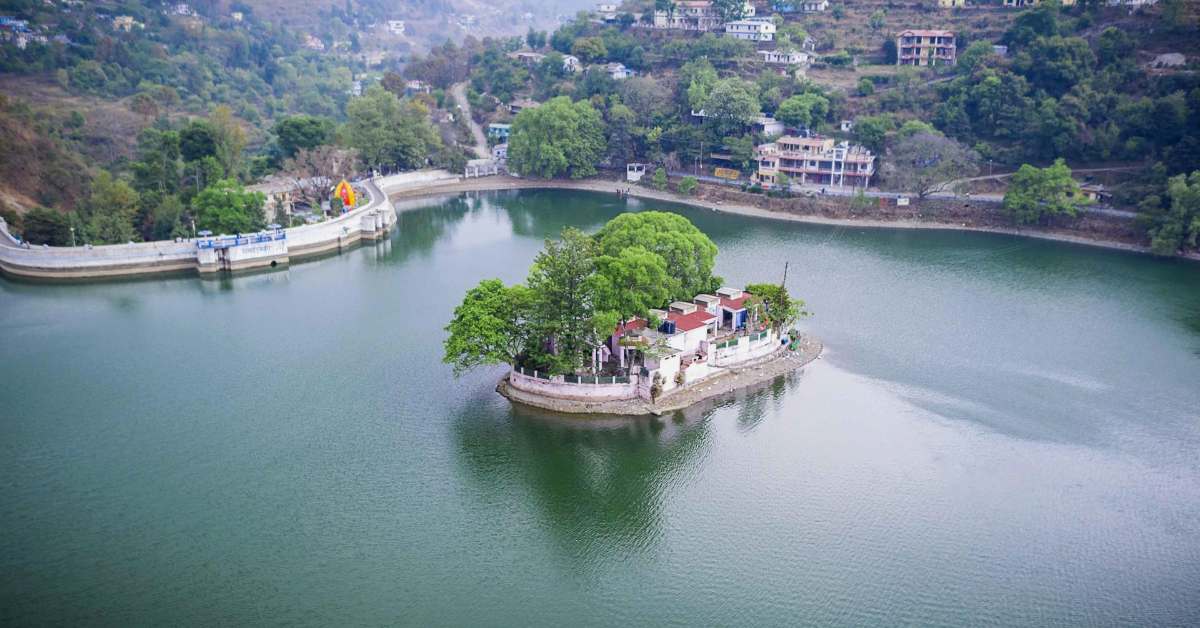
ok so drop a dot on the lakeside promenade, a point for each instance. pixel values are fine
(370, 222)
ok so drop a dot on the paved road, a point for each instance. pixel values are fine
(811, 190)
(459, 91)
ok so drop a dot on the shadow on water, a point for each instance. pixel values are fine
(599, 483)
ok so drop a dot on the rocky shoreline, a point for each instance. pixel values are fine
(727, 381)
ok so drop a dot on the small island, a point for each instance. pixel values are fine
(630, 321)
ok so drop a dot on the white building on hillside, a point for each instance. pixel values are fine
(694, 15)
(752, 29)
(783, 57)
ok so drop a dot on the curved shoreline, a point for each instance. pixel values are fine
(501, 183)
(727, 381)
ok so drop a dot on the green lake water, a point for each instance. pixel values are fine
(1002, 431)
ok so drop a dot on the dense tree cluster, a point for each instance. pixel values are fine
(579, 288)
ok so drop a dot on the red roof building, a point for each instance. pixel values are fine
(689, 322)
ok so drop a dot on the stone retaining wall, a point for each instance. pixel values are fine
(557, 387)
(370, 222)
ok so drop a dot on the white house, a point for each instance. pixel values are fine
(769, 126)
(618, 71)
(396, 27)
(783, 57)
(752, 29)
(606, 11)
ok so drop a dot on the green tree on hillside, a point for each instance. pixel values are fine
(42, 225)
(1174, 222)
(226, 207)
(1037, 194)
(731, 106)
(389, 132)
(111, 210)
(558, 138)
(803, 110)
(293, 133)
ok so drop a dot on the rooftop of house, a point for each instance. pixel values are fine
(925, 33)
(691, 321)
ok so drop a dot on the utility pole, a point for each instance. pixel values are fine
(783, 284)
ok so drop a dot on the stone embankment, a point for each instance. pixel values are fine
(369, 222)
(723, 382)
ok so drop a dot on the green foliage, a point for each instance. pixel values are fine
(803, 110)
(488, 326)
(1174, 223)
(688, 253)
(293, 133)
(660, 178)
(871, 131)
(1037, 194)
(564, 286)
(781, 310)
(866, 86)
(389, 132)
(226, 207)
(687, 185)
(46, 226)
(111, 210)
(558, 138)
(589, 49)
(730, 10)
(631, 282)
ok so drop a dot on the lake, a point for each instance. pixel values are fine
(1001, 431)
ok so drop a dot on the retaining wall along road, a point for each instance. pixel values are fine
(370, 222)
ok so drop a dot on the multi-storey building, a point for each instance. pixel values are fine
(925, 47)
(751, 29)
(814, 161)
(694, 15)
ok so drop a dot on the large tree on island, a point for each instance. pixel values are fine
(489, 326)
(563, 278)
(632, 282)
(779, 309)
(579, 288)
(557, 138)
(688, 254)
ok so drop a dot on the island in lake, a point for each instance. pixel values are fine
(630, 320)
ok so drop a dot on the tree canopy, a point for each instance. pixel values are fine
(1037, 194)
(558, 138)
(686, 251)
(226, 207)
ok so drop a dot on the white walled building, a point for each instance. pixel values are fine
(754, 29)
